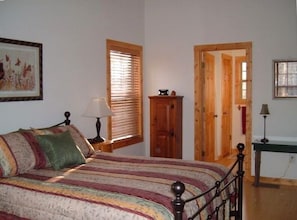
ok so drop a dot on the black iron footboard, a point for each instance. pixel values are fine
(234, 199)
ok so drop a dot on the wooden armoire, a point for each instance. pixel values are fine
(166, 126)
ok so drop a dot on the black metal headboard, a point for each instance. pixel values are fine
(66, 121)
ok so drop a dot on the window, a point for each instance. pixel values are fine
(285, 78)
(124, 92)
(240, 80)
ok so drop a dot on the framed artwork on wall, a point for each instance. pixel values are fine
(285, 78)
(20, 70)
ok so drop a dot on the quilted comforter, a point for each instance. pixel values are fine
(108, 186)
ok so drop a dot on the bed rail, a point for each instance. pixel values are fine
(235, 199)
(66, 121)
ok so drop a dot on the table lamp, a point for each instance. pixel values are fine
(97, 108)
(264, 112)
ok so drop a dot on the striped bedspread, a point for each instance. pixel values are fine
(108, 186)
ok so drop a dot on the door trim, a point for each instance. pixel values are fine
(199, 99)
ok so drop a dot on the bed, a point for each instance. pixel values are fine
(43, 178)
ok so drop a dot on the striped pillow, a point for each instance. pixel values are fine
(20, 150)
(17, 155)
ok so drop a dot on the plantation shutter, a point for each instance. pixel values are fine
(125, 94)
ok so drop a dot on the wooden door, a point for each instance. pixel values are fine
(226, 129)
(209, 107)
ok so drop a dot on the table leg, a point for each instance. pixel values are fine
(257, 167)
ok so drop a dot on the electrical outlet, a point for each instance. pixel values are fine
(292, 158)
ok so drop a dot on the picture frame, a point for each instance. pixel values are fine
(285, 78)
(20, 70)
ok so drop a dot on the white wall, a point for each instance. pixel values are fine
(173, 27)
(73, 34)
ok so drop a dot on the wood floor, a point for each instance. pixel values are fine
(267, 203)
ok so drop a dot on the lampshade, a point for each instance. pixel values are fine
(264, 110)
(98, 108)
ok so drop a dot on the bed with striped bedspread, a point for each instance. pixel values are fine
(108, 186)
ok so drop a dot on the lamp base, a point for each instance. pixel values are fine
(264, 140)
(97, 139)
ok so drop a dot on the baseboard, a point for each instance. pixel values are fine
(277, 181)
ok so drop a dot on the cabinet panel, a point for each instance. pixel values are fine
(166, 126)
(161, 147)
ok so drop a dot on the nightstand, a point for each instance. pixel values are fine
(105, 146)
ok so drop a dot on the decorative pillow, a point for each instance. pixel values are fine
(16, 154)
(20, 150)
(81, 142)
(61, 150)
(41, 160)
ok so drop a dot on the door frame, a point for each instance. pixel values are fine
(209, 108)
(199, 98)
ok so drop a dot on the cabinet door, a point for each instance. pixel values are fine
(161, 128)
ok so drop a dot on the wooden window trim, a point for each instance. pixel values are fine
(238, 80)
(136, 50)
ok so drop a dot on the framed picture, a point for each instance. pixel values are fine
(20, 70)
(285, 78)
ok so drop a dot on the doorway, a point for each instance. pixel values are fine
(206, 116)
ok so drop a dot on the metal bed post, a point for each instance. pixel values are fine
(178, 203)
(240, 174)
(178, 189)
